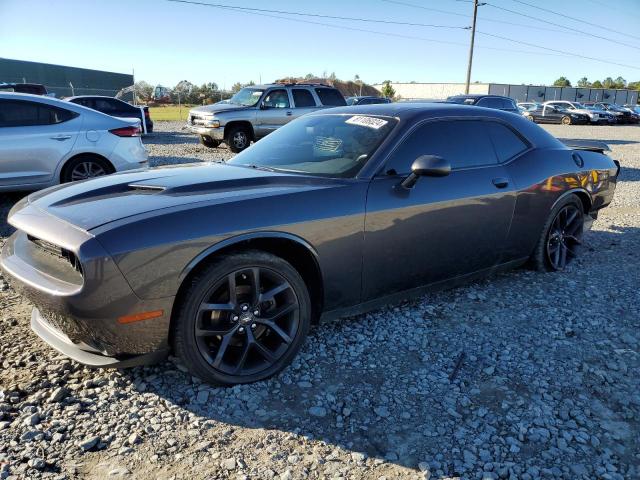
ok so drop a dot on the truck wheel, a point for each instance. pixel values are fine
(238, 139)
(209, 142)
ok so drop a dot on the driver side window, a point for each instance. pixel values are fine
(464, 143)
(276, 99)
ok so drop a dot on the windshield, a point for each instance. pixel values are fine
(324, 145)
(247, 97)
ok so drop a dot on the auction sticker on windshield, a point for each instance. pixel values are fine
(369, 122)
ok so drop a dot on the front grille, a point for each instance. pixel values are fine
(57, 252)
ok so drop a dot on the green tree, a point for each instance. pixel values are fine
(633, 85)
(609, 83)
(596, 84)
(562, 82)
(236, 87)
(620, 82)
(387, 90)
(144, 90)
(583, 82)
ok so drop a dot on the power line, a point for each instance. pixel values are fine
(484, 19)
(564, 15)
(261, 12)
(317, 15)
(557, 51)
(561, 26)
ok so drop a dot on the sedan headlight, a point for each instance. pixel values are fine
(212, 123)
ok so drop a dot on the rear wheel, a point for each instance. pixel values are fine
(242, 319)
(561, 237)
(238, 138)
(84, 167)
(566, 120)
(209, 142)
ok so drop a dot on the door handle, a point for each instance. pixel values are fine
(61, 138)
(500, 182)
(289, 114)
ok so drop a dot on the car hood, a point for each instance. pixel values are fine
(218, 107)
(93, 203)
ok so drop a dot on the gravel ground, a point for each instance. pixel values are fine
(548, 387)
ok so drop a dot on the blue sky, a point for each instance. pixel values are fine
(167, 42)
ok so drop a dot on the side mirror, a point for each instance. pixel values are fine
(426, 166)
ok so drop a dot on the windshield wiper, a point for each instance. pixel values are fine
(262, 167)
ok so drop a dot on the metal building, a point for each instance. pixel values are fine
(64, 81)
(520, 93)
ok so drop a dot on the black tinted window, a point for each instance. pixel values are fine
(490, 102)
(16, 113)
(303, 98)
(330, 97)
(508, 104)
(464, 143)
(506, 142)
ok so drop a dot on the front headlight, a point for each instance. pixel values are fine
(212, 123)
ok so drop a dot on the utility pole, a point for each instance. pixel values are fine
(473, 36)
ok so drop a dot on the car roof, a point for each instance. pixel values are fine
(91, 96)
(410, 109)
(478, 95)
(284, 85)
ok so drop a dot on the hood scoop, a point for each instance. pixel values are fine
(142, 188)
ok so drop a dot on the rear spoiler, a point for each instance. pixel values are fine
(591, 145)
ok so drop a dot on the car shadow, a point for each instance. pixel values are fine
(170, 137)
(354, 387)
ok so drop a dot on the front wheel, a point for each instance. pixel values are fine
(561, 237)
(242, 319)
(238, 139)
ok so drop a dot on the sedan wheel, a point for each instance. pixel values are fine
(566, 120)
(85, 167)
(245, 319)
(85, 170)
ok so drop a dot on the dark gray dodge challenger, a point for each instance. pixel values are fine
(228, 265)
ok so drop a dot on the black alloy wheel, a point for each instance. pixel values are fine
(565, 236)
(244, 323)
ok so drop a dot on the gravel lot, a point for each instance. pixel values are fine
(549, 385)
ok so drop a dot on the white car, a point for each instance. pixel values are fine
(44, 141)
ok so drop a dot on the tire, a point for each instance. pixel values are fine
(84, 167)
(209, 142)
(238, 139)
(530, 118)
(554, 233)
(259, 341)
(566, 120)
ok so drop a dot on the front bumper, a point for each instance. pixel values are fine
(85, 354)
(214, 133)
(78, 314)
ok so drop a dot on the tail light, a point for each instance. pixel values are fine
(126, 131)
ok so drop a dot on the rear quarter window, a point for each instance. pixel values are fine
(302, 98)
(330, 97)
(506, 142)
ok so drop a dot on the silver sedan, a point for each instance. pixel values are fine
(44, 141)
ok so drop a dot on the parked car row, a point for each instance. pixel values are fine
(568, 113)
